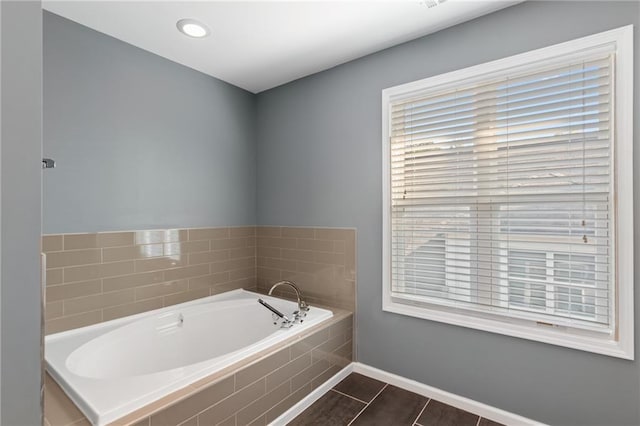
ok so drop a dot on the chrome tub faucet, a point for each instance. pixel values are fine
(303, 308)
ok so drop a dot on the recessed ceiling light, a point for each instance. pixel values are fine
(192, 28)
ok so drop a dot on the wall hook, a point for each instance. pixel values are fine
(48, 163)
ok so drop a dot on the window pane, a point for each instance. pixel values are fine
(529, 265)
(500, 193)
(575, 268)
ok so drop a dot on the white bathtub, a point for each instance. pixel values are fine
(113, 368)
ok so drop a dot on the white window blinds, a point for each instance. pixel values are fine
(501, 195)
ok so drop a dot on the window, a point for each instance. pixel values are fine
(508, 196)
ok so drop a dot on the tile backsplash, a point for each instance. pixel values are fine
(97, 277)
(321, 261)
(102, 276)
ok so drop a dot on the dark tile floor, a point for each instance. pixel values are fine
(361, 400)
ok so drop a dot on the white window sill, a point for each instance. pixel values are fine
(600, 343)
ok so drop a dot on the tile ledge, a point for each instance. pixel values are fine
(180, 228)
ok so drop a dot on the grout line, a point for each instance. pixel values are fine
(359, 412)
(478, 422)
(383, 388)
(266, 393)
(347, 395)
(422, 411)
(366, 406)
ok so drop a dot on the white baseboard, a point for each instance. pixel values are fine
(308, 400)
(483, 410)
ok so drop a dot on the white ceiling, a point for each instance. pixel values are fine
(258, 45)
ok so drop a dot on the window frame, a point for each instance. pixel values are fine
(621, 344)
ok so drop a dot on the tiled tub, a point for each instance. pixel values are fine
(253, 390)
(102, 276)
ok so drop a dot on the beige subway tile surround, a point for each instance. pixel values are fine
(141, 271)
(102, 276)
(321, 261)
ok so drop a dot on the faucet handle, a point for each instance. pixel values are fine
(286, 323)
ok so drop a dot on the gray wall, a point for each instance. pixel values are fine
(140, 141)
(320, 165)
(20, 184)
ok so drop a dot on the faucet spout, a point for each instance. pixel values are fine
(302, 305)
